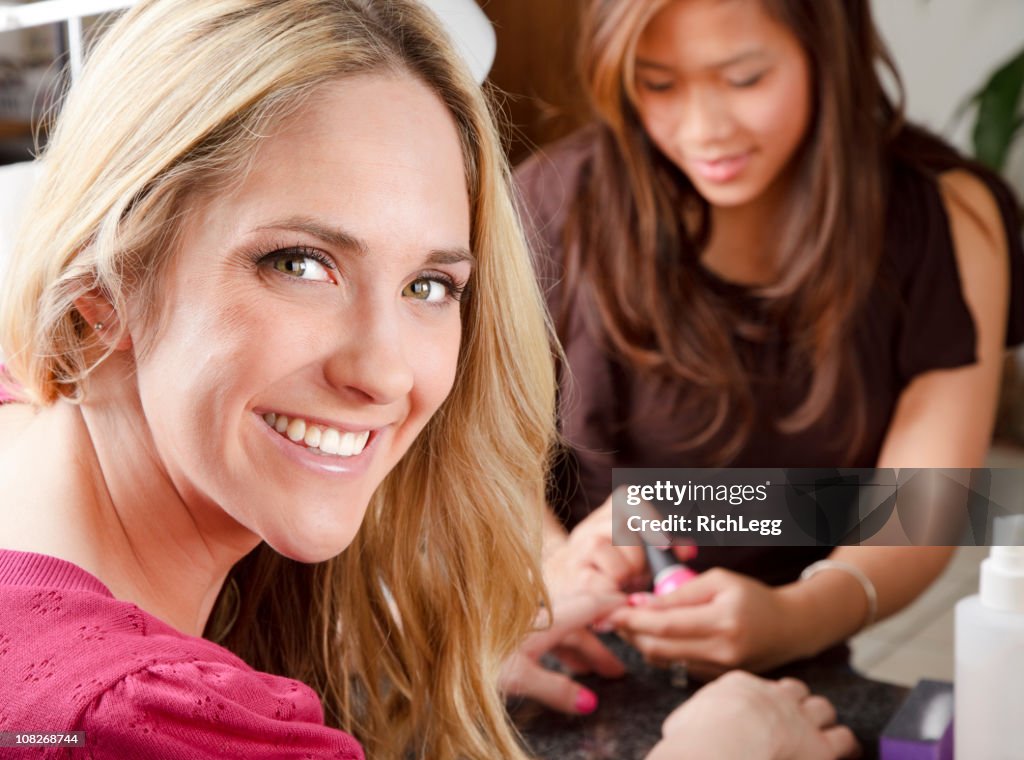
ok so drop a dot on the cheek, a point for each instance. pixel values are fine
(435, 360)
(659, 124)
(190, 373)
(661, 130)
(663, 141)
(783, 115)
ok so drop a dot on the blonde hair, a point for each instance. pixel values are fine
(404, 633)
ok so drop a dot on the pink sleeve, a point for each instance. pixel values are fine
(203, 711)
(4, 395)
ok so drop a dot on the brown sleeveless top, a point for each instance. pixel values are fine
(613, 415)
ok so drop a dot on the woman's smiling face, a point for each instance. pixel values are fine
(310, 323)
(724, 91)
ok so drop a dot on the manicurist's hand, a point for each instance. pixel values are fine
(718, 621)
(568, 638)
(743, 717)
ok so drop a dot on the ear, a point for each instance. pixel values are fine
(103, 320)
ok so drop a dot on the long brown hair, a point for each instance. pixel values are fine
(625, 237)
(403, 634)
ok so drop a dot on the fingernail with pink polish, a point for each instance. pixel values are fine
(639, 600)
(586, 701)
(602, 626)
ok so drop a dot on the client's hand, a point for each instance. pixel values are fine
(718, 621)
(743, 717)
(566, 637)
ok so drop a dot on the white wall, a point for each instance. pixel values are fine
(945, 49)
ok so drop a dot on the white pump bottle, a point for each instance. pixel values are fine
(989, 687)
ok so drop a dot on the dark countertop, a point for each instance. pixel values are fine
(628, 722)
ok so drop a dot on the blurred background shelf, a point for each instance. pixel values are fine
(15, 129)
(42, 45)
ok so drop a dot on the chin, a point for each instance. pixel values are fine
(727, 197)
(313, 546)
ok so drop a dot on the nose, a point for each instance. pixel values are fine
(369, 361)
(704, 118)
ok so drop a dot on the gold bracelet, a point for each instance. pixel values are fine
(869, 588)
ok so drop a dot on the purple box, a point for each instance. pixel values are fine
(922, 729)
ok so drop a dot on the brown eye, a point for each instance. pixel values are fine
(747, 81)
(423, 289)
(295, 266)
(300, 265)
(651, 86)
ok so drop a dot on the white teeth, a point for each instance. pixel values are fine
(321, 440)
(330, 441)
(296, 430)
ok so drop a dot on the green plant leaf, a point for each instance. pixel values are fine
(998, 119)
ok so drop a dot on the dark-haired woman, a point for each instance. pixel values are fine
(753, 261)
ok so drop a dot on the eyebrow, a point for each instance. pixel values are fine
(731, 61)
(339, 238)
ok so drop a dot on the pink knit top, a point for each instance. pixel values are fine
(74, 658)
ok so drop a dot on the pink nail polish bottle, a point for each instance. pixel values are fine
(669, 573)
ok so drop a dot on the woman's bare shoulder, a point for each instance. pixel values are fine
(975, 219)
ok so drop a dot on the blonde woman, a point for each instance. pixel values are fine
(258, 307)
(272, 303)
